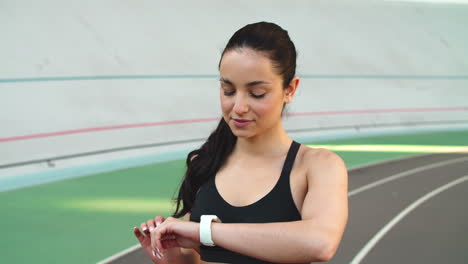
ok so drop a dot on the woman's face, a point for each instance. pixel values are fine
(251, 93)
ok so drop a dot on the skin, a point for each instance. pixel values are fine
(319, 180)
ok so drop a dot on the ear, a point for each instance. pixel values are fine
(291, 90)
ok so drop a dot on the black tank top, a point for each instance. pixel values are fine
(277, 206)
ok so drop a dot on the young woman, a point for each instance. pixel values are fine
(251, 194)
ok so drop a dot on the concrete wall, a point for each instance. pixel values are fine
(82, 77)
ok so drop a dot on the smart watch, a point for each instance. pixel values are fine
(205, 229)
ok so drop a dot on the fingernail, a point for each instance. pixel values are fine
(156, 255)
(151, 228)
(145, 229)
(160, 253)
(158, 223)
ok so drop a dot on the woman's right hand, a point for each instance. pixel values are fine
(144, 238)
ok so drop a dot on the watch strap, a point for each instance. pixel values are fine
(205, 229)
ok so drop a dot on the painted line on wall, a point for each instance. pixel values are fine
(359, 127)
(376, 111)
(108, 77)
(377, 76)
(360, 130)
(116, 127)
(215, 76)
(51, 160)
(395, 148)
(58, 174)
(212, 119)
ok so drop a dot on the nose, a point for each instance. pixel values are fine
(241, 105)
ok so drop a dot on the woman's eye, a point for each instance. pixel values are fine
(228, 93)
(257, 95)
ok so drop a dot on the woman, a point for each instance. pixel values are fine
(251, 194)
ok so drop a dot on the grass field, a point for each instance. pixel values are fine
(87, 219)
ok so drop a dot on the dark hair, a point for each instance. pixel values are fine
(203, 163)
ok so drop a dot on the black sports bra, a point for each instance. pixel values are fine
(277, 206)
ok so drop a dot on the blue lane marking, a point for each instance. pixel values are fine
(215, 76)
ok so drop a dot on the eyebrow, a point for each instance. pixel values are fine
(248, 84)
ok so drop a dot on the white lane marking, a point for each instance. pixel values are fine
(404, 174)
(372, 242)
(120, 254)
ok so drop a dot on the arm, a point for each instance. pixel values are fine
(316, 237)
(190, 255)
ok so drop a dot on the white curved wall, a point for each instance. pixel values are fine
(87, 76)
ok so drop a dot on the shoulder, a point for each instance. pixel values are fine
(319, 156)
(320, 161)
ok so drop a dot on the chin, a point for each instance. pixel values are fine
(244, 134)
(241, 133)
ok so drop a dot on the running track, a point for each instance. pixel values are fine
(410, 210)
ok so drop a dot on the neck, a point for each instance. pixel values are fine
(272, 142)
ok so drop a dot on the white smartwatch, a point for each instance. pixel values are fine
(205, 229)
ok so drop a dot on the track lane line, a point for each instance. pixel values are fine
(405, 174)
(383, 231)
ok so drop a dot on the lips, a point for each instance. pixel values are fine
(240, 123)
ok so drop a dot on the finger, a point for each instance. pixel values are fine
(158, 220)
(156, 235)
(156, 254)
(169, 243)
(145, 228)
(153, 242)
(138, 234)
(150, 224)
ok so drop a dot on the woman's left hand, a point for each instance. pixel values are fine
(175, 233)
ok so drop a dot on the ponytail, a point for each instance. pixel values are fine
(202, 164)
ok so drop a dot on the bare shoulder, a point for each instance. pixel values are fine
(315, 160)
